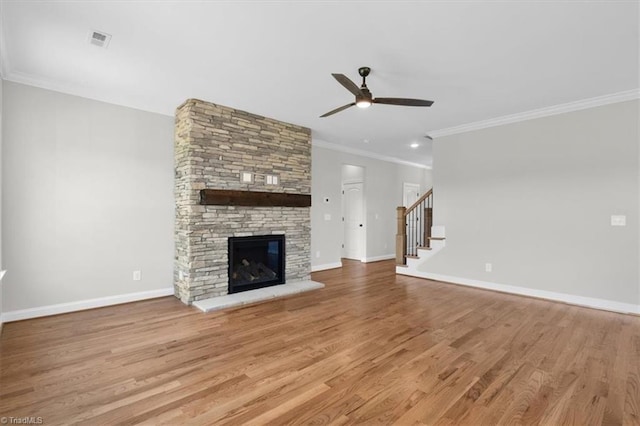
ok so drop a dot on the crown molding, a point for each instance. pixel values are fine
(341, 148)
(4, 60)
(46, 84)
(627, 95)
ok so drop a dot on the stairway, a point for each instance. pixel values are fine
(417, 239)
(436, 243)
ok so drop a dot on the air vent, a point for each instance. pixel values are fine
(99, 38)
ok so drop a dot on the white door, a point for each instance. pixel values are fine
(352, 202)
(411, 193)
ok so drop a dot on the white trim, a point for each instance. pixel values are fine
(341, 148)
(81, 305)
(590, 302)
(4, 65)
(1, 319)
(378, 258)
(326, 266)
(70, 90)
(627, 95)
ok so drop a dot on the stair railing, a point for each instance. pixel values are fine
(414, 227)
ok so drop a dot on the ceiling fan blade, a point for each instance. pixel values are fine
(348, 84)
(338, 109)
(403, 101)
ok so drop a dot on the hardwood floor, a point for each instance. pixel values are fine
(371, 347)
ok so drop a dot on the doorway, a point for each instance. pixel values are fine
(353, 212)
(411, 194)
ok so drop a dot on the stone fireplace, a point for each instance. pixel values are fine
(220, 148)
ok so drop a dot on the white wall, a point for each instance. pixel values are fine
(1, 115)
(535, 199)
(382, 191)
(1, 264)
(351, 173)
(87, 199)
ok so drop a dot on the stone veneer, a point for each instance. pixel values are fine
(213, 145)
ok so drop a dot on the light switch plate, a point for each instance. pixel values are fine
(618, 220)
(272, 179)
(246, 177)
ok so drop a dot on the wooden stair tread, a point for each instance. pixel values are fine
(425, 248)
(412, 256)
(435, 238)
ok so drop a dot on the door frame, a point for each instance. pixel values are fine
(363, 234)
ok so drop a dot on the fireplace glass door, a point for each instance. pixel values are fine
(256, 262)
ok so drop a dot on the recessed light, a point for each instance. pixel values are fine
(414, 145)
(366, 141)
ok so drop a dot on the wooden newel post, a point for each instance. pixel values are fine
(401, 237)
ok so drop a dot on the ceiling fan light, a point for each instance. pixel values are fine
(363, 103)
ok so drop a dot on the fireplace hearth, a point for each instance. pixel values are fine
(256, 262)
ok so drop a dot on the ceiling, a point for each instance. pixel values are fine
(477, 60)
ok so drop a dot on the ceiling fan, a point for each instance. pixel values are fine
(364, 98)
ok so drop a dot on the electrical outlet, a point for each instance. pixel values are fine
(488, 267)
(137, 275)
(318, 254)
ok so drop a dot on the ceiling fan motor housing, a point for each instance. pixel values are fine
(366, 94)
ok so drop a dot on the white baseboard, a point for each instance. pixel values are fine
(326, 266)
(590, 302)
(1, 319)
(378, 258)
(81, 305)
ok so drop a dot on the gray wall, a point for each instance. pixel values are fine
(535, 199)
(382, 191)
(1, 264)
(87, 198)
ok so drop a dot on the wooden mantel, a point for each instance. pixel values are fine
(225, 197)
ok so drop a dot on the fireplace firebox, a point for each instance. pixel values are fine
(256, 262)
